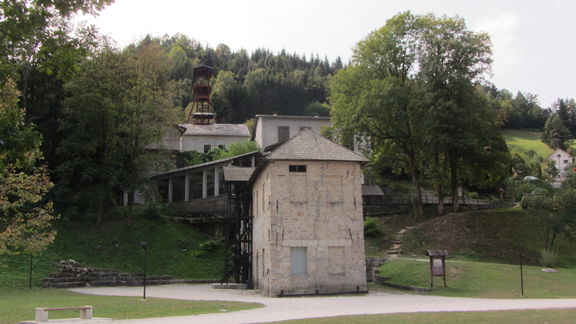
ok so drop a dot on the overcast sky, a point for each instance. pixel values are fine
(533, 41)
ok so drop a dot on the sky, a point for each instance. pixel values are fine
(533, 42)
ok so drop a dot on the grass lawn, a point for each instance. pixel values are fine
(483, 279)
(525, 140)
(556, 316)
(19, 305)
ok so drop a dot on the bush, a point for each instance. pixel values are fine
(206, 247)
(153, 211)
(516, 189)
(371, 227)
(549, 258)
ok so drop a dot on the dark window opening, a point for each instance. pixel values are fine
(207, 148)
(297, 168)
(221, 146)
(283, 133)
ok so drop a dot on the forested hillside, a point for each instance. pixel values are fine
(246, 84)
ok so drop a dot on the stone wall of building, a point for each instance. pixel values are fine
(317, 212)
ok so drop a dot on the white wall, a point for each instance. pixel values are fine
(196, 143)
(562, 160)
(267, 127)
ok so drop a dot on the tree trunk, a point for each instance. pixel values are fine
(440, 174)
(454, 180)
(417, 196)
(100, 209)
(129, 218)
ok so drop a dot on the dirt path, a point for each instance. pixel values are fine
(397, 243)
(278, 309)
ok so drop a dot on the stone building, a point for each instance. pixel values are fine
(307, 219)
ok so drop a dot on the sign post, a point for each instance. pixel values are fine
(437, 265)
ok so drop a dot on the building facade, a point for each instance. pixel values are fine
(562, 160)
(308, 233)
(273, 129)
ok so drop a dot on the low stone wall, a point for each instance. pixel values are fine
(71, 274)
(381, 280)
(372, 265)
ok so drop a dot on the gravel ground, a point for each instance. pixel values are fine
(278, 309)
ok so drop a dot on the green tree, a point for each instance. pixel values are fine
(25, 211)
(119, 103)
(411, 90)
(554, 211)
(376, 97)
(556, 134)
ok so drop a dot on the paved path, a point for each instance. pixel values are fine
(277, 309)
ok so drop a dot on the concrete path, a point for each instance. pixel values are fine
(277, 309)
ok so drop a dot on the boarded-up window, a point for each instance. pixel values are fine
(298, 260)
(333, 189)
(336, 259)
(283, 133)
(298, 188)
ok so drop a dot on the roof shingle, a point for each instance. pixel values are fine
(307, 145)
(216, 130)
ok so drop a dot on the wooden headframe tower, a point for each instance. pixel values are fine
(202, 112)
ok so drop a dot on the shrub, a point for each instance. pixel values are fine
(549, 258)
(205, 247)
(371, 227)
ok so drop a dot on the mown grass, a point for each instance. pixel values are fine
(525, 140)
(556, 316)
(172, 250)
(19, 305)
(483, 279)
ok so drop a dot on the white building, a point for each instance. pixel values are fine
(202, 138)
(272, 129)
(562, 160)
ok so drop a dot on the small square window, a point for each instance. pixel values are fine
(221, 146)
(207, 148)
(565, 161)
(297, 168)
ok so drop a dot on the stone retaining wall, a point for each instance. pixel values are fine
(71, 274)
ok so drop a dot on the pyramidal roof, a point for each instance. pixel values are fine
(307, 145)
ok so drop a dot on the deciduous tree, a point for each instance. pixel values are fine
(25, 211)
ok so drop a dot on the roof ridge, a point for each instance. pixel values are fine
(307, 145)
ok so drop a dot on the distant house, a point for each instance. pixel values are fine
(273, 129)
(307, 219)
(562, 160)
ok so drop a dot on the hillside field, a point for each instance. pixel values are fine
(524, 140)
